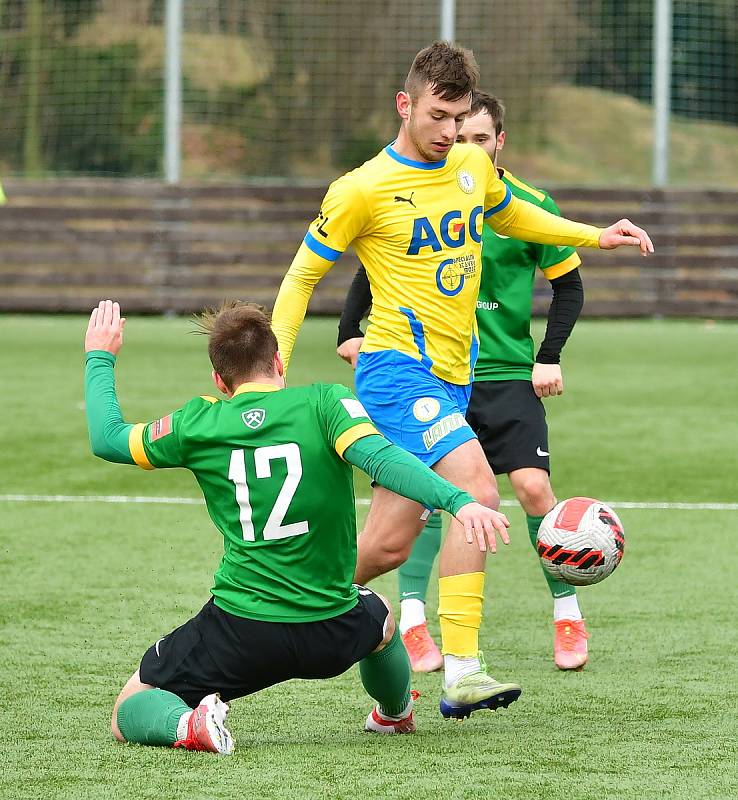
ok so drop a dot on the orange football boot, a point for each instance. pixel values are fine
(570, 643)
(424, 654)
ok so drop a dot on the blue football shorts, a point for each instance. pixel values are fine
(411, 406)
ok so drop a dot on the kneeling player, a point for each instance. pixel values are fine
(274, 465)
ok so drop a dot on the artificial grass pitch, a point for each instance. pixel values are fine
(85, 587)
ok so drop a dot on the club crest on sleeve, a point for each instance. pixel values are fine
(466, 181)
(354, 408)
(161, 427)
(253, 418)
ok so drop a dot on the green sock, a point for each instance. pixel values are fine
(414, 574)
(151, 717)
(386, 676)
(557, 588)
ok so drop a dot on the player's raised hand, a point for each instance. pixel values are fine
(624, 232)
(482, 524)
(105, 328)
(547, 380)
(349, 350)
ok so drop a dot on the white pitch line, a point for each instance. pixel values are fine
(100, 498)
(360, 501)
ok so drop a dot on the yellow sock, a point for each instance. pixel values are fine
(460, 610)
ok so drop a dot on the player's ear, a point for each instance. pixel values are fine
(404, 105)
(220, 383)
(279, 364)
(500, 140)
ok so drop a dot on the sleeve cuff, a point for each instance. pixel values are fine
(104, 354)
(567, 265)
(462, 500)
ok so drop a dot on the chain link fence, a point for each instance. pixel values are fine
(304, 89)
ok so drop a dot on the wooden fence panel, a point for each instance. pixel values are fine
(66, 243)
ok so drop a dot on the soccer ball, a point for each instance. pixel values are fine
(580, 541)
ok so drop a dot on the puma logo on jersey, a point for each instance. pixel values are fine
(399, 199)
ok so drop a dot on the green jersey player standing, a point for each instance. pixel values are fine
(274, 466)
(505, 409)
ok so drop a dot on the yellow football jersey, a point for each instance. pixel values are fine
(417, 228)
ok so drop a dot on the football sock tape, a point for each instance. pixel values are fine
(460, 610)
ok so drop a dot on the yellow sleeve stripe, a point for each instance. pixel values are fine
(136, 446)
(347, 438)
(209, 398)
(567, 265)
(525, 187)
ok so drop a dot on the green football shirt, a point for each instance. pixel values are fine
(269, 464)
(505, 302)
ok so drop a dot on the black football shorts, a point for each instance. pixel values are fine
(510, 422)
(219, 652)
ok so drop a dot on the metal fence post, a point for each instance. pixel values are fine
(448, 20)
(173, 91)
(662, 35)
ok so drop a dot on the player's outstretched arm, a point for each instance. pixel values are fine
(530, 223)
(400, 472)
(109, 433)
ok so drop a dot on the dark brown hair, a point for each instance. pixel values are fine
(241, 343)
(481, 101)
(451, 71)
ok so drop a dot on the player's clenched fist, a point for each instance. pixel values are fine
(483, 523)
(547, 380)
(105, 328)
(349, 350)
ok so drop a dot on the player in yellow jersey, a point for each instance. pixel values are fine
(414, 215)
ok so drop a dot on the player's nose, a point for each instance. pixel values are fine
(449, 131)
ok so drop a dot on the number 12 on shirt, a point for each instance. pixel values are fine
(263, 457)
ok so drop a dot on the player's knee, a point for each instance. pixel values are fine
(485, 492)
(389, 623)
(392, 554)
(394, 557)
(535, 494)
(114, 725)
